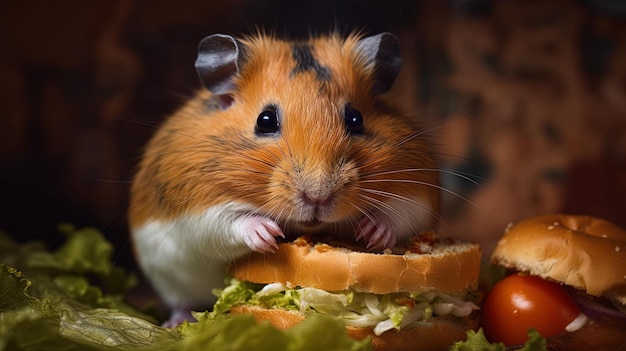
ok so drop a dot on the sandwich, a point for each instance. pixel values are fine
(568, 278)
(419, 297)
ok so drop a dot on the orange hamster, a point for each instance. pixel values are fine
(288, 137)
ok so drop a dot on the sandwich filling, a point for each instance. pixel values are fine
(358, 309)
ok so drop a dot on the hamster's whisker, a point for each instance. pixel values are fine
(425, 208)
(449, 155)
(466, 176)
(263, 162)
(387, 209)
(194, 149)
(413, 181)
(390, 195)
(407, 138)
(137, 122)
(366, 212)
(419, 133)
(276, 211)
(407, 200)
(428, 128)
(379, 204)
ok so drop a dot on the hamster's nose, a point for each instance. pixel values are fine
(316, 200)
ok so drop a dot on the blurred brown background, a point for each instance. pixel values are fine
(527, 98)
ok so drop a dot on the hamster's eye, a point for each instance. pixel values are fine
(267, 122)
(353, 119)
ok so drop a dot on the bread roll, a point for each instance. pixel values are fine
(584, 252)
(447, 267)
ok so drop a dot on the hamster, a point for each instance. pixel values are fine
(285, 138)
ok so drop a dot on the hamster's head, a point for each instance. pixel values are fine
(300, 134)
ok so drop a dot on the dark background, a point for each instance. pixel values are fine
(529, 97)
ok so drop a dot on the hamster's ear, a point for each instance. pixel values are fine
(217, 64)
(382, 53)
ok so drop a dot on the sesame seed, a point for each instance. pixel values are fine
(618, 249)
(508, 227)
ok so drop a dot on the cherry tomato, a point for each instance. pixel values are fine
(520, 302)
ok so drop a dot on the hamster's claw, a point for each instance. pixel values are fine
(376, 233)
(259, 233)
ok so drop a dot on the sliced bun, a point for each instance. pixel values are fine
(448, 267)
(444, 332)
(580, 251)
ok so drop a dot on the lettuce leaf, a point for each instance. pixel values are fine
(235, 293)
(358, 309)
(48, 300)
(287, 300)
(325, 302)
(476, 341)
(243, 332)
(72, 299)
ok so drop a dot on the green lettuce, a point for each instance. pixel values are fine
(49, 300)
(287, 300)
(243, 332)
(235, 293)
(358, 309)
(476, 341)
(73, 299)
(395, 311)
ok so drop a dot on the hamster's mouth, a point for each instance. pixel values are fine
(311, 223)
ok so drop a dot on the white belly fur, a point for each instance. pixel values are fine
(186, 258)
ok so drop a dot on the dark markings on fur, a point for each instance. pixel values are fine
(305, 61)
(160, 185)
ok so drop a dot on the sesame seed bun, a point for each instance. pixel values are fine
(584, 252)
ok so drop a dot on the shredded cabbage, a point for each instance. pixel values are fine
(382, 312)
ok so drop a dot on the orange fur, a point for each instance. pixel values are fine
(203, 156)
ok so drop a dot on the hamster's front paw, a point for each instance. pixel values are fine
(376, 232)
(259, 233)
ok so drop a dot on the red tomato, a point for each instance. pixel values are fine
(520, 302)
